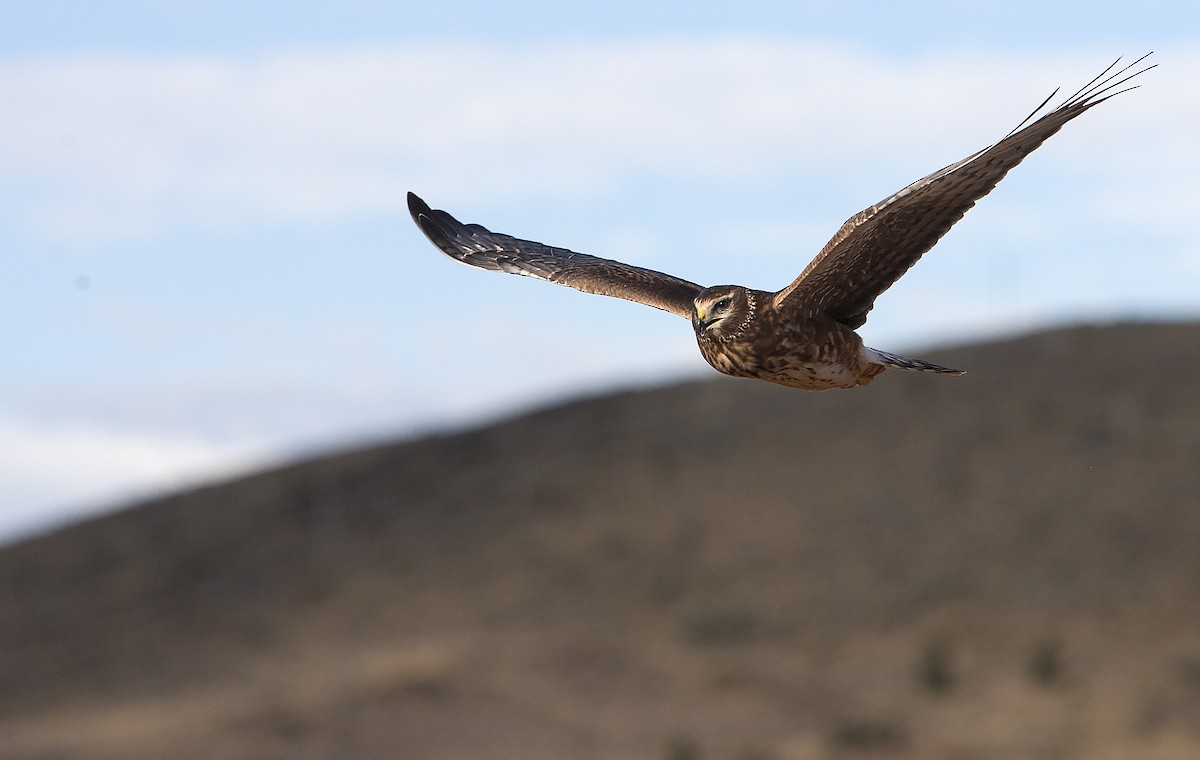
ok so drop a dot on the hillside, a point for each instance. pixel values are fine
(1003, 565)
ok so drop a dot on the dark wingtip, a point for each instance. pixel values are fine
(423, 216)
(417, 207)
(434, 225)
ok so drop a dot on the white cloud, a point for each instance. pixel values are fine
(129, 146)
(63, 472)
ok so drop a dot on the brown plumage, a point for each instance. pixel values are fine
(803, 335)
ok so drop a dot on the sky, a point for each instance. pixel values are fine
(210, 266)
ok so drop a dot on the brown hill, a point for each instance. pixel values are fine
(1005, 565)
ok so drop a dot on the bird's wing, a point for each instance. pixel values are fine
(475, 245)
(877, 245)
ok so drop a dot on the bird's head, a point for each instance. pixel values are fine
(722, 312)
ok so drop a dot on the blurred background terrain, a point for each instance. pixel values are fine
(1003, 565)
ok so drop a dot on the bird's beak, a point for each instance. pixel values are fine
(700, 315)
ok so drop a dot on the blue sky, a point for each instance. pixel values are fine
(211, 266)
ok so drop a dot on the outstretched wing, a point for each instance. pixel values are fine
(475, 245)
(877, 245)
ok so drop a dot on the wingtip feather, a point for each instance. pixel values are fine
(417, 207)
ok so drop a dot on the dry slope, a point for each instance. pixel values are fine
(1005, 565)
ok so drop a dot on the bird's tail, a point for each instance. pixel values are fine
(903, 362)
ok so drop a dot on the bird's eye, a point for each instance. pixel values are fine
(723, 304)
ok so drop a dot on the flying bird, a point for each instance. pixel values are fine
(802, 336)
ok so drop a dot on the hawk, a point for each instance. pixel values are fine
(802, 336)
